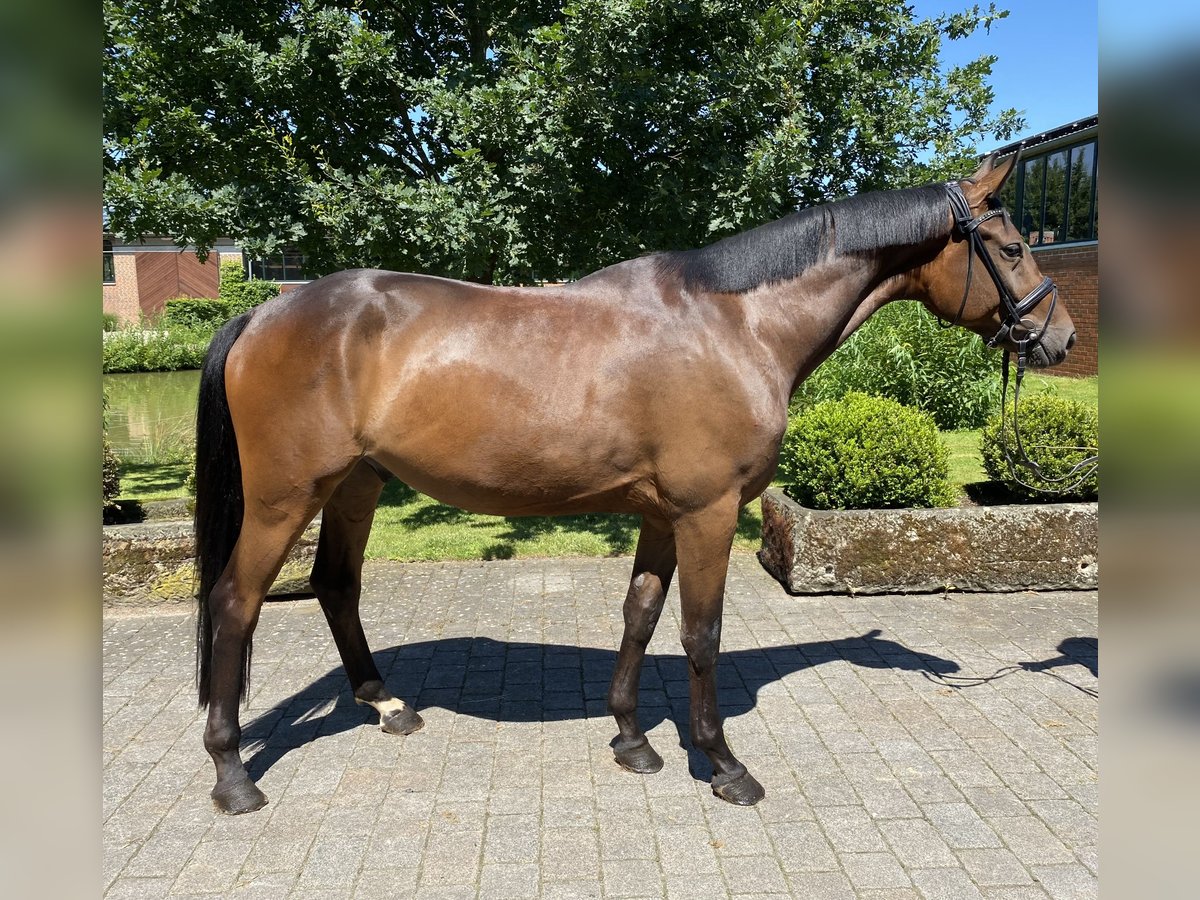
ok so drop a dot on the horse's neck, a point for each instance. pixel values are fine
(816, 312)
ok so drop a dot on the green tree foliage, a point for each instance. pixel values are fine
(511, 141)
(864, 452)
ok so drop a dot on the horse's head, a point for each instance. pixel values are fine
(986, 279)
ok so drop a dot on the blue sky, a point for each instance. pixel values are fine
(1047, 53)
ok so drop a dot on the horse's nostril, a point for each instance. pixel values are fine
(1071, 341)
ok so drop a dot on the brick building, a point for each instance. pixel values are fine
(140, 278)
(1052, 198)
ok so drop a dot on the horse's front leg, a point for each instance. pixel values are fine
(653, 567)
(703, 541)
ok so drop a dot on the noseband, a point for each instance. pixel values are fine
(1014, 313)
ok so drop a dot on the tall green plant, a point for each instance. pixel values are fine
(904, 354)
(135, 350)
(110, 471)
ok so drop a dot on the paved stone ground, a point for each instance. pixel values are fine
(890, 770)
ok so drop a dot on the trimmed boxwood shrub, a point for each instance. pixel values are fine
(901, 352)
(863, 452)
(1056, 433)
(195, 312)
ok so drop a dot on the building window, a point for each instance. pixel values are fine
(288, 266)
(110, 270)
(1053, 199)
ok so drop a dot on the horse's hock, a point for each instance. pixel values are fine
(1049, 547)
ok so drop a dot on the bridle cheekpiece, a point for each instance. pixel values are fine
(1012, 317)
(1014, 310)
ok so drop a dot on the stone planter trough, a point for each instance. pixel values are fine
(153, 561)
(885, 551)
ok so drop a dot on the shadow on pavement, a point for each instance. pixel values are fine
(525, 682)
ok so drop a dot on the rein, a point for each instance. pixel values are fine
(1014, 314)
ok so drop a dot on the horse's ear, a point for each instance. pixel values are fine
(985, 168)
(1006, 169)
(989, 178)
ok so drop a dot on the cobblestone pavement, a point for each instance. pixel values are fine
(892, 769)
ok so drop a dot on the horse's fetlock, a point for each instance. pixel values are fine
(222, 738)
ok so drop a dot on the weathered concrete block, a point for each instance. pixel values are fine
(153, 561)
(1047, 547)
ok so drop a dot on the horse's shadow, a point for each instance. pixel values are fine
(1076, 651)
(524, 682)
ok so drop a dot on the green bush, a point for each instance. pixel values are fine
(233, 276)
(189, 483)
(240, 294)
(109, 321)
(902, 353)
(1056, 433)
(134, 350)
(255, 293)
(863, 452)
(195, 312)
(111, 475)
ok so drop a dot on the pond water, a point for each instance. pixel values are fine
(152, 415)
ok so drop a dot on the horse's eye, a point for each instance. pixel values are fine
(1012, 250)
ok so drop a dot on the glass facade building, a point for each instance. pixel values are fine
(1052, 195)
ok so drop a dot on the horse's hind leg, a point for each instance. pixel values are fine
(337, 581)
(268, 532)
(653, 567)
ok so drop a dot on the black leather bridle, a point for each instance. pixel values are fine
(1012, 323)
(1014, 310)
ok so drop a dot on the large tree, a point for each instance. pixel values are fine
(522, 139)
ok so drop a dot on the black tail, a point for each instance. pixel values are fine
(218, 494)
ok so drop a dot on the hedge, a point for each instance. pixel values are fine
(195, 312)
(134, 350)
(240, 294)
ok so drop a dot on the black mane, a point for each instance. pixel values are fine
(783, 249)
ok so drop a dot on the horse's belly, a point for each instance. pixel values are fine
(518, 495)
(537, 474)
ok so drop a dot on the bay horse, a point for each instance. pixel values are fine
(657, 386)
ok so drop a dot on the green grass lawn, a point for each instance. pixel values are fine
(411, 526)
(147, 481)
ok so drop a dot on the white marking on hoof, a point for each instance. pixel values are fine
(389, 707)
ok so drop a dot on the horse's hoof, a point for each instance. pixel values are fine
(741, 790)
(403, 721)
(237, 797)
(640, 758)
